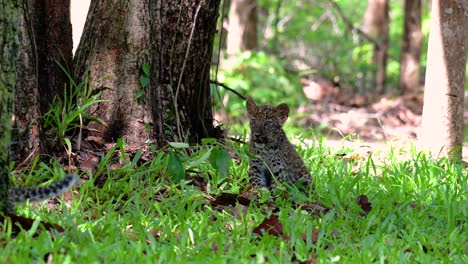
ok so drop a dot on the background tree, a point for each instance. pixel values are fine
(242, 30)
(376, 24)
(442, 121)
(45, 42)
(411, 48)
(8, 53)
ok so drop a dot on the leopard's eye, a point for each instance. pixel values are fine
(268, 122)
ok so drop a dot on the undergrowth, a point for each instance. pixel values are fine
(142, 214)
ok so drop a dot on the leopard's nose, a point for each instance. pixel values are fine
(259, 138)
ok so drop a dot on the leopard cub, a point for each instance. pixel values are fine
(276, 159)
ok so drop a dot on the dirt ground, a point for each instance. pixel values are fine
(377, 126)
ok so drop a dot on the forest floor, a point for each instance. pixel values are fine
(390, 122)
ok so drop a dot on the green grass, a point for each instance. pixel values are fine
(141, 215)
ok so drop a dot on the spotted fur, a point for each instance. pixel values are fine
(275, 157)
(21, 194)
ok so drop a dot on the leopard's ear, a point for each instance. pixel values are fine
(282, 112)
(251, 107)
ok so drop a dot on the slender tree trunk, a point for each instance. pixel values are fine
(242, 31)
(114, 47)
(45, 39)
(411, 49)
(181, 46)
(442, 121)
(8, 53)
(376, 21)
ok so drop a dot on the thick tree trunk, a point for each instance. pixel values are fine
(411, 49)
(376, 21)
(442, 121)
(181, 46)
(45, 39)
(114, 47)
(8, 53)
(242, 31)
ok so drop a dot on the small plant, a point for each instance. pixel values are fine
(210, 153)
(144, 79)
(69, 112)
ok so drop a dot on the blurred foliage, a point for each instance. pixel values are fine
(260, 76)
(309, 38)
(306, 37)
(312, 35)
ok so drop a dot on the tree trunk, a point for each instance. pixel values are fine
(8, 53)
(242, 30)
(442, 121)
(376, 20)
(114, 47)
(181, 46)
(411, 49)
(45, 37)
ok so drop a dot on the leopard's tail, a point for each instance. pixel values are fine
(21, 194)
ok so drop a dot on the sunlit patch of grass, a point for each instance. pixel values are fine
(142, 215)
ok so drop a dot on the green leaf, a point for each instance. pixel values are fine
(136, 158)
(179, 145)
(144, 81)
(175, 167)
(198, 161)
(221, 161)
(206, 141)
(139, 95)
(68, 143)
(146, 69)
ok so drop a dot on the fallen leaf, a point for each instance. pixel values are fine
(196, 180)
(98, 140)
(315, 234)
(230, 199)
(271, 226)
(363, 201)
(19, 223)
(314, 209)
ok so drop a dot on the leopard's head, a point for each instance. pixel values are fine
(266, 121)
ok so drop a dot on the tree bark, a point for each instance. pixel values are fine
(376, 24)
(411, 49)
(45, 39)
(182, 38)
(242, 30)
(8, 54)
(442, 121)
(114, 47)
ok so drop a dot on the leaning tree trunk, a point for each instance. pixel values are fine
(411, 49)
(114, 49)
(182, 37)
(242, 30)
(45, 39)
(442, 120)
(8, 52)
(376, 24)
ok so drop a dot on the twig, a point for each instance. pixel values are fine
(350, 26)
(228, 88)
(237, 140)
(223, 107)
(179, 126)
